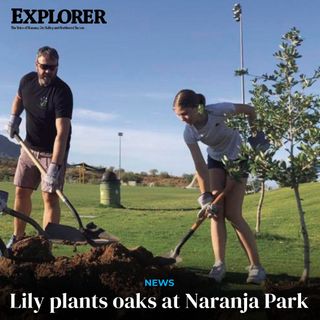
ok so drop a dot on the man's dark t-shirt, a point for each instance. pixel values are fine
(43, 106)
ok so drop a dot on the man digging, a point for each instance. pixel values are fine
(48, 103)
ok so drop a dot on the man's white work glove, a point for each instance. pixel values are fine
(259, 142)
(204, 200)
(52, 176)
(13, 125)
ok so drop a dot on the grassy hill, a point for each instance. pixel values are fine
(157, 218)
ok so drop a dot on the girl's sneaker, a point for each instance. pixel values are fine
(218, 272)
(256, 275)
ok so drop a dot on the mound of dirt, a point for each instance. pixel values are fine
(111, 267)
(110, 273)
(33, 249)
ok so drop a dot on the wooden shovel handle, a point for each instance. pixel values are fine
(43, 172)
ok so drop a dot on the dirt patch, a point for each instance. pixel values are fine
(33, 249)
(109, 272)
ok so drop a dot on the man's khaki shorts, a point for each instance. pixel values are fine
(28, 175)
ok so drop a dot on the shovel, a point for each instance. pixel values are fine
(202, 215)
(3, 249)
(66, 235)
(92, 234)
(5, 210)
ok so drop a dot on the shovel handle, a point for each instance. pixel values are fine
(194, 227)
(43, 172)
(199, 221)
(30, 154)
(187, 236)
(25, 218)
(66, 201)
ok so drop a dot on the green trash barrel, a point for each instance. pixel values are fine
(110, 190)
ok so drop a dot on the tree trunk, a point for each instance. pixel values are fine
(259, 209)
(306, 245)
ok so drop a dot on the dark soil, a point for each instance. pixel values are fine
(288, 288)
(115, 272)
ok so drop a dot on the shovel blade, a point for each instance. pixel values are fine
(99, 242)
(3, 249)
(98, 234)
(69, 235)
(64, 233)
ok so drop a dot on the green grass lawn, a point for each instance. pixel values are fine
(157, 218)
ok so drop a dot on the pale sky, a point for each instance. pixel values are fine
(125, 74)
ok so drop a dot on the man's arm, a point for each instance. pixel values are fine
(17, 106)
(60, 143)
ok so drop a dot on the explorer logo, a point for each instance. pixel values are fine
(51, 16)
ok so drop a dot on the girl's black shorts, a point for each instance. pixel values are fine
(214, 164)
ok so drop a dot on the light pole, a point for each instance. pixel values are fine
(237, 15)
(120, 134)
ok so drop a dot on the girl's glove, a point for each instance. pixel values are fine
(204, 200)
(259, 142)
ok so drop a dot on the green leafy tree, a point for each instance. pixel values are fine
(240, 123)
(290, 115)
(164, 174)
(131, 176)
(153, 172)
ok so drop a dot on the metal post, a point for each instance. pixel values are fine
(120, 134)
(241, 60)
(237, 14)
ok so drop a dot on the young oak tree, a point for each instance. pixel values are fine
(241, 124)
(291, 116)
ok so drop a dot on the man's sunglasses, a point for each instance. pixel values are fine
(50, 67)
